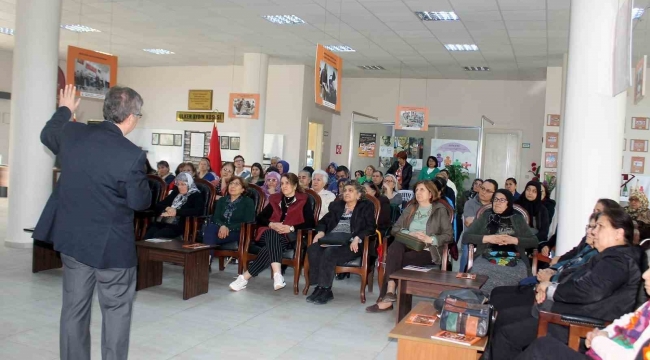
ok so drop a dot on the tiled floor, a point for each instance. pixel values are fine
(256, 323)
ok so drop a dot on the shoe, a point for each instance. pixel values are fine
(324, 297)
(342, 276)
(376, 309)
(239, 284)
(315, 294)
(278, 281)
(390, 297)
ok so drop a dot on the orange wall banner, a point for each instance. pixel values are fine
(329, 69)
(92, 72)
(412, 118)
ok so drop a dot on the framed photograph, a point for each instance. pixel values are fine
(244, 106)
(167, 139)
(234, 143)
(637, 165)
(553, 120)
(225, 142)
(155, 139)
(550, 160)
(640, 123)
(552, 140)
(92, 72)
(637, 145)
(178, 140)
(412, 118)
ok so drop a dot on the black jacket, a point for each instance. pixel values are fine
(407, 173)
(604, 288)
(383, 222)
(89, 215)
(194, 206)
(362, 223)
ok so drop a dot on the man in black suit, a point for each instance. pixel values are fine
(89, 218)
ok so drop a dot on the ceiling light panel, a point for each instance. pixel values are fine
(284, 19)
(372, 67)
(339, 48)
(79, 28)
(476, 68)
(637, 13)
(6, 31)
(461, 47)
(159, 51)
(437, 15)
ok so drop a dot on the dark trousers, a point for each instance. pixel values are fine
(273, 245)
(515, 329)
(550, 348)
(399, 256)
(115, 290)
(323, 262)
(165, 231)
(506, 297)
(233, 236)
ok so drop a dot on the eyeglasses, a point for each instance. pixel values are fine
(486, 190)
(500, 200)
(234, 183)
(389, 181)
(139, 115)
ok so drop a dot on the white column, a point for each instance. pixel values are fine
(33, 101)
(592, 138)
(256, 68)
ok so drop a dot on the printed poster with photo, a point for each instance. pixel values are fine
(415, 149)
(400, 143)
(412, 118)
(367, 143)
(416, 163)
(386, 162)
(637, 145)
(639, 79)
(637, 165)
(552, 140)
(386, 147)
(328, 69)
(92, 72)
(449, 151)
(550, 160)
(244, 106)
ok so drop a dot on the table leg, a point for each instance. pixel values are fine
(149, 272)
(196, 278)
(404, 300)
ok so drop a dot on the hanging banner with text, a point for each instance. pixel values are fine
(329, 69)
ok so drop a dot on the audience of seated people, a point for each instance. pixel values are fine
(205, 170)
(304, 179)
(511, 185)
(185, 200)
(240, 170)
(426, 219)
(390, 189)
(285, 213)
(256, 176)
(402, 170)
(538, 219)
(430, 172)
(378, 178)
(346, 224)
(163, 172)
(319, 184)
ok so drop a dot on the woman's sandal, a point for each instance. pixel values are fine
(376, 309)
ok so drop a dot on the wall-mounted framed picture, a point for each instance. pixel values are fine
(225, 142)
(155, 139)
(550, 160)
(552, 140)
(637, 145)
(178, 140)
(637, 165)
(234, 143)
(640, 123)
(167, 139)
(553, 120)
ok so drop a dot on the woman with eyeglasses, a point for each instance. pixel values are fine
(391, 188)
(472, 206)
(271, 185)
(227, 171)
(240, 170)
(431, 170)
(501, 236)
(205, 170)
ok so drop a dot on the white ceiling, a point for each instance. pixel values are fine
(517, 39)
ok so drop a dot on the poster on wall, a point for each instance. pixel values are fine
(412, 118)
(329, 69)
(385, 162)
(92, 72)
(640, 123)
(416, 148)
(552, 120)
(386, 147)
(450, 151)
(637, 145)
(415, 163)
(552, 140)
(639, 79)
(367, 142)
(244, 106)
(637, 165)
(400, 144)
(550, 160)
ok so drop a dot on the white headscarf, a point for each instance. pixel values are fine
(181, 199)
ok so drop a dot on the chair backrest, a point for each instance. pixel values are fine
(315, 202)
(377, 205)
(257, 194)
(208, 192)
(517, 208)
(158, 188)
(407, 195)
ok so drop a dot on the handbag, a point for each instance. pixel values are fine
(335, 239)
(468, 295)
(465, 318)
(409, 241)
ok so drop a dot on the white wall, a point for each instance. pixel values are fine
(515, 105)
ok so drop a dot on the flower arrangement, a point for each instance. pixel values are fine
(534, 169)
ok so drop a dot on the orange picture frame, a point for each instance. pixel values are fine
(328, 74)
(244, 106)
(412, 118)
(92, 72)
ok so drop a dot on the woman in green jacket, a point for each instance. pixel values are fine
(430, 172)
(230, 212)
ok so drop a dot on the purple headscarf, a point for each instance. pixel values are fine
(271, 174)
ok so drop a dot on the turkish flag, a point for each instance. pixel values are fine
(214, 153)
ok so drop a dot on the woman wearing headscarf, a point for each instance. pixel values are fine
(332, 185)
(185, 200)
(283, 167)
(402, 170)
(531, 200)
(548, 203)
(638, 207)
(271, 184)
(501, 237)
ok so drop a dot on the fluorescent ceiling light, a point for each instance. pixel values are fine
(79, 28)
(437, 15)
(372, 67)
(159, 51)
(637, 13)
(339, 48)
(476, 68)
(461, 47)
(284, 19)
(6, 31)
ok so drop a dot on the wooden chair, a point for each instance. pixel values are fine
(291, 257)
(192, 223)
(142, 219)
(236, 250)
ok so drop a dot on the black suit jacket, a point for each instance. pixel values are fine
(407, 173)
(89, 215)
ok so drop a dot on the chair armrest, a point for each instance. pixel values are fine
(584, 321)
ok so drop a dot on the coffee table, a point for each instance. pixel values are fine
(196, 264)
(428, 284)
(44, 257)
(414, 342)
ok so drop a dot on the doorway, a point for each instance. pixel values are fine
(501, 155)
(315, 145)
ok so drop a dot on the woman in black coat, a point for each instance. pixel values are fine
(531, 200)
(185, 200)
(402, 170)
(347, 223)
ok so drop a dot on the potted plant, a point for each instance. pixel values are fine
(534, 169)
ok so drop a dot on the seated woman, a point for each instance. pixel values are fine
(240, 170)
(430, 172)
(367, 175)
(501, 237)
(163, 172)
(185, 200)
(348, 221)
(427, 219)
(256, 177)
(271, 185)
(626, 338)
(205, 170)
(189, 168)
(604, 288)
(383, 223)
(304, 179)
(319, 184)
(548, 203)
(638, 210)
(391, 188)
(231, 210)
(341, 184)
(538, 215)
(359, 177)
(402, 170)
(283, 167)
(473, 192)
(221, 182)
(286, 212)
(331, 173)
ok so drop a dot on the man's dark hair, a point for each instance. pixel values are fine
(513, 180)
(345, 169)
(445, 171)
(163, 163)
(496, 185)
(380, 173)
(121, 102)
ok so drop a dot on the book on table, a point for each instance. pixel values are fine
(456, 338)
(466, 276)
(195, 246)
(423, 320)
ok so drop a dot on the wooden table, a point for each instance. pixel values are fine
(414, 342)
(428, 284)
(195, 261)
(44, 257)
